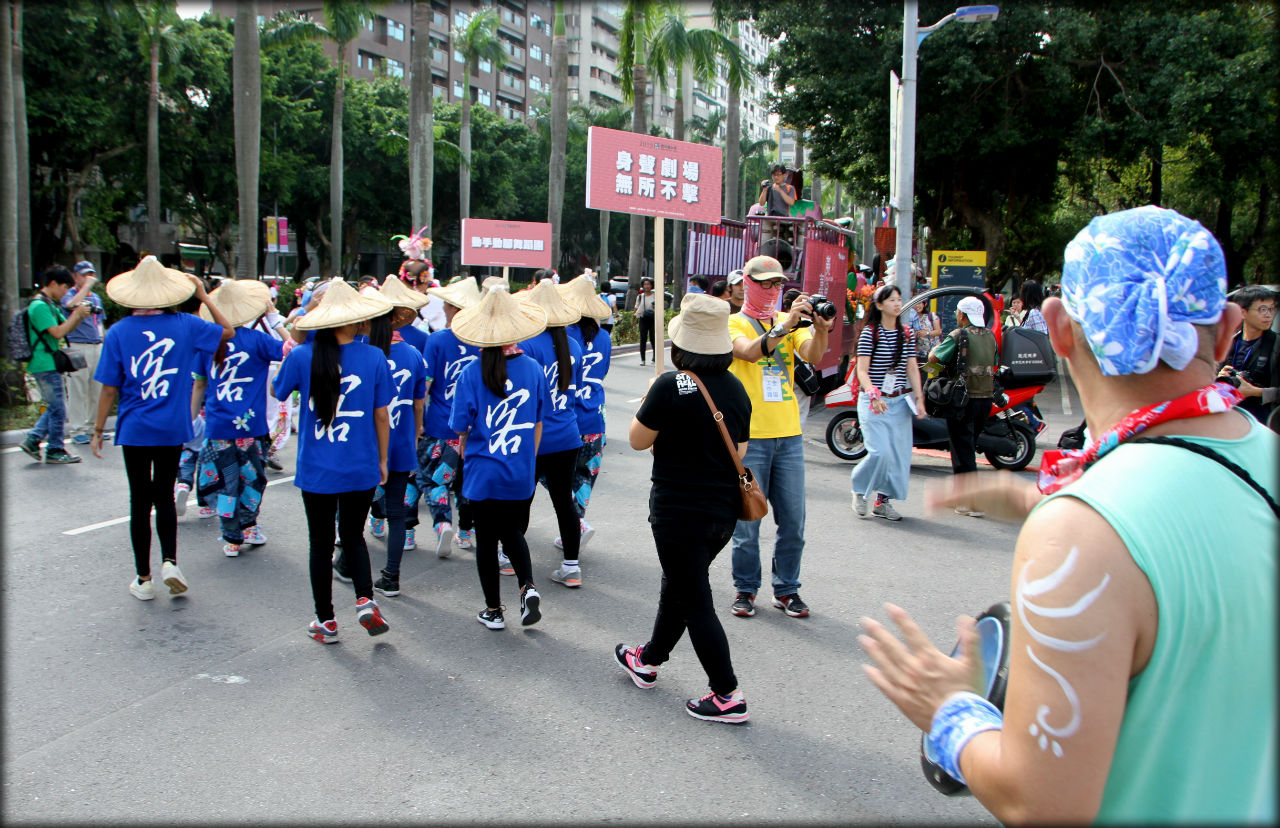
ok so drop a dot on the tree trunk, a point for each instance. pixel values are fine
(247, 83)
(335, 166)
(733, 148)
(1156, 154)
(559, 130)
(815, 191)
(677, 227)
(23, 160)
(799, 162)
(421, 119)
(303, 261)
(640, 124)
(153, 151)
(836, 212)
(464, 144)
(603, 265)
(8, 170)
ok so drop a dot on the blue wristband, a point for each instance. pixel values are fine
(961, 717)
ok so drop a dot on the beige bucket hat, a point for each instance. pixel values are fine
(546, 296)
(580, 295)
(399, 294)
(461, 294)
(498, 319)
(702, 326)
(240, 300)
(150, 285)
(342, 305)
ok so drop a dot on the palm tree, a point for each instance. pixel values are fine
(157, 19)
(559, 130)
(733, 125)
(754, 163)
(633, 59)
(20, 136)
(476, 40)
(8, 168)
(421, 119)
(246, 79)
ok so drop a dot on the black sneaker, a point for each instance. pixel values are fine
(529, 601)
(628, 659)
(492, 618)
(744, 606)
(388, 584)
(340, 571)
(731, 709)
(792, 605)
(273, 463)
(31, 445)
(60, 457)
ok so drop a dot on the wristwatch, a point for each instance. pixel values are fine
(777, 331)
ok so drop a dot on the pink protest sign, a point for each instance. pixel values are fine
(506, 243)
(652, 176)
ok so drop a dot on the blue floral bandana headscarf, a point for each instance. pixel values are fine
(1137, 281)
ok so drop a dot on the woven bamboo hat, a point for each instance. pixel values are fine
(580, 294)
(461, 294)
(498, 319)
(398, 293)
(240, 300)
(342, 305)
(150, 285)
(496, 280)
(546, 296)
(702, 326)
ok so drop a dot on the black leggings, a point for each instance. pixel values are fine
(963, 434)
(505, 522)
(556, 471)
(350, 508)
(646, 332)
(686, 550)
(152, 471)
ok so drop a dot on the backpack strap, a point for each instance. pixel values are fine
(40, 335)
(1217, 458)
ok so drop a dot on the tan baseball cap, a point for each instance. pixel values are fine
(762, 269)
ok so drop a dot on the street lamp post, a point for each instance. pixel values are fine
(912, 36)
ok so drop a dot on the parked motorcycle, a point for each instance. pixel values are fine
(1008, 441)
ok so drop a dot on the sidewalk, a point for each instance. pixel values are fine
(16, 436)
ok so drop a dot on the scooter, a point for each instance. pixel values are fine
(1008, 441)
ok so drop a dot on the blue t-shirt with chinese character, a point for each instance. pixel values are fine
(235, 400)
(560, 425)
(408, 383)
(499, 460)
(414, 337)
(343, 456)
(150, 359)
(446, 356)
(589, 404)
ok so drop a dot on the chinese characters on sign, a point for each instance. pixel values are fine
(506, 243)
(632, 173)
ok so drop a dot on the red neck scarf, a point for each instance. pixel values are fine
(512, 349)
(1058, 468)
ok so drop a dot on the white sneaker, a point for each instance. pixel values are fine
(444, 539)
(504, 565)
(254, 536)
(410, 540)
(585, 533)
(965, 510)
(466, 538)
(208, 512)
(886, 511)
(180, 494)
(231, 550)
(142, 590)
(859, 505)
(172, 577)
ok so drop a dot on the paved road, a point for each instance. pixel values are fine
(217, 707)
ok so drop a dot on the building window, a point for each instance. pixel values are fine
(438, 19)
(536, 21)
(371, 23)
(458, 56)
(438, 91)
(535, 52)
(573, 70)
(395, 30)
(395, 68)
(484, 97)
(460, 19)
(457, 89)
(546, 58)
(485, 65)
(535, 83)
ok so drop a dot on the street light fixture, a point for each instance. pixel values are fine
(912, 36)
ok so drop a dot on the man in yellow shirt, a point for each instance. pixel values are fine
(765, 346)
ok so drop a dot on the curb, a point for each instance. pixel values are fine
(15, 437)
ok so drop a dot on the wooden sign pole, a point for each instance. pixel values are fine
(659, 326)
(505, 270)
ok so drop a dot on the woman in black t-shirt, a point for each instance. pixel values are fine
(694, 502)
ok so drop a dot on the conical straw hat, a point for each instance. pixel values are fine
(342, 305)
(580, 294)
(240, 300)
(398, 293)
(496, 280)
(150, 285)
(545, 296)
(498, 319)
(461, 294)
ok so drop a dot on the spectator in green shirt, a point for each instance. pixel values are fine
(46, 325)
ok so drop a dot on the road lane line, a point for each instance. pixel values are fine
(115, 521)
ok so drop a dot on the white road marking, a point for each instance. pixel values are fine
(637, 399)
(116, 521)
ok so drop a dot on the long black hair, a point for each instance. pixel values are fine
(1032, 295)
(326, 375)
(493, 370)
(380, 332)
(701, 364)
(874, 315)
(589, 328)
(564, 361)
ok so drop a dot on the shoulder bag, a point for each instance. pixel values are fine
(947, 395)
(754, 505)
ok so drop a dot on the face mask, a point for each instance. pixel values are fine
(760, 302)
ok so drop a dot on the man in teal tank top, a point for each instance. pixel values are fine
(1142, 666)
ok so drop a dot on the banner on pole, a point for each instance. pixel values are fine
(498, 243)
(273, 244)
(283, 228)
(653, 176)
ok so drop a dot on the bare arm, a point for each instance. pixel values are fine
(197, 396)
(105, 400)
(418, 405)
(640, 435)
(69, 324)
(537, 436)
(382, 424)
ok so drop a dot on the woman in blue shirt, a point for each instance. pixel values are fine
(498, 409)
(343, 435)
(147, 360)
(561, 361)
(232, 471)
(597, 348)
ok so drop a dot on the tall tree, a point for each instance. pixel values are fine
(559, 130)
(8, 167)
(421, 118)
(246, 78)
(25, 276)
(476, 40)
(633, 62)
(732, 126)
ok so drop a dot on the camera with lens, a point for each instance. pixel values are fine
(822, 306)
(1230, 378)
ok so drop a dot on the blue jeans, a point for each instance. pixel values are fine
(52, 422)
(778, 466)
